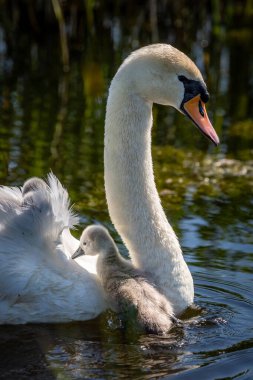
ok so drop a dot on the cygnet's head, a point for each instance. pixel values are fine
(161, 74)
(33, 184)
(93, 241)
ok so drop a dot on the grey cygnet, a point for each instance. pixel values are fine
(127, 288)
(30, 186)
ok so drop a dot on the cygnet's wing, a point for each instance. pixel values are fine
(31, 234)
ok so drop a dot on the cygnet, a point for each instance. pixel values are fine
(127, 289)
(30, 186)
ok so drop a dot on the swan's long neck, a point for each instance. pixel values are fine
(132, 197)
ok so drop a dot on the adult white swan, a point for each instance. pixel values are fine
(38, 280)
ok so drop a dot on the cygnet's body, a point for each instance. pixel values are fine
(127, 289)
(32, 185)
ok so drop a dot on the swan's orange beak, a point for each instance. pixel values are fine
(195, 109)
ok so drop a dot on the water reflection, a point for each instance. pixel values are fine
(54, 120)
(100, 349)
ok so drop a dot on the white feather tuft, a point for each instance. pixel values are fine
(62, 210)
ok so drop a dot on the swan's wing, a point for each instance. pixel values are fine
(31, 233)
(63, 214)
(46, 211)
(23, 230)
(60, 203)
(10, 195)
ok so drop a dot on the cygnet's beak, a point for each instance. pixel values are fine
(79, 252)
(195, 109)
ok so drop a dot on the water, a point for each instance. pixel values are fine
(51, 120)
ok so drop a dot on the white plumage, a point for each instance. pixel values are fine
(39, 281)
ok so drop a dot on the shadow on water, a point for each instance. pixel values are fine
(102, 348)
(52, 107)
(94, 349)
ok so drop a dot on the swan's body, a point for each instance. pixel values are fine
(127, 289)
(38, 282)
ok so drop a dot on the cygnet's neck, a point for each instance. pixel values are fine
(132, 197)
(110, 264)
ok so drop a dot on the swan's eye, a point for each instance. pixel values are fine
(182, 78)
(193, 88)
(204, 96)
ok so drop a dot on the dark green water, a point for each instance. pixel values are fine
(54, 120)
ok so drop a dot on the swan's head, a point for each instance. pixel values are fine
(161, 74)
(94, 240)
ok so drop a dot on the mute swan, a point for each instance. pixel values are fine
(127, 289)
(38, 281)
(161, 74)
